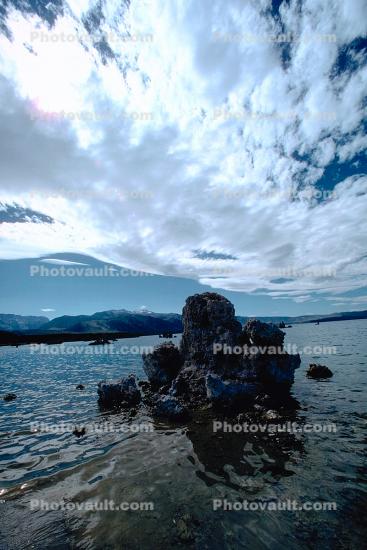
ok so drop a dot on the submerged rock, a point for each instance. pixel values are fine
(318, 371)
(80, 387)
(123, 392)
(79, 432)
(10, 397)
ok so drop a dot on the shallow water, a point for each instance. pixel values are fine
(181, 468)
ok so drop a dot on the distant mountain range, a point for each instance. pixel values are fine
(13, 323)
(142, 322)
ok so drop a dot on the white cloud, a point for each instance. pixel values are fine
(155, 173)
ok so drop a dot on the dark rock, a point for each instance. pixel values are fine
(185, 528)
(229, 392)
(264, 334)
(276, 369)
(124, 392)
(144, 384)
(163, 364)
(271, 415)
(208, 319)
(80, 387)
(281, 324)
(100, 342)
(190, 386)
(10, 397)
(170, 408)
(318, 371)
(79, 432)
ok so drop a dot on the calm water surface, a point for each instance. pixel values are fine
(180, 469)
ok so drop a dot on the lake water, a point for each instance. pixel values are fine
(180, 469)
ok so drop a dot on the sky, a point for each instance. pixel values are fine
(216, 145)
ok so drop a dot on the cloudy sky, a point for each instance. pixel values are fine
(218, 142)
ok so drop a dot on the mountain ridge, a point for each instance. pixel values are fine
(145, 322)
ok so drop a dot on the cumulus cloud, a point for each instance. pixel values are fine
(190, 126)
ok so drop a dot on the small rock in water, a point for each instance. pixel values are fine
(80, 387)
(318, 371)
(10, 397)
(79, 432)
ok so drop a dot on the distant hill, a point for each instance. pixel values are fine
(343, 316)
(10, 322)
(140, 322)
(116, 321)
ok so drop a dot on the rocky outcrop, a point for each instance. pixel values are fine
(208, 319)
(318, 371)
(263, 334)
(123, 392)
(219, 363)
(162, 365)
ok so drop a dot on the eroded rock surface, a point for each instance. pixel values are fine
(219, 363)
(163, 364)
(122, 392)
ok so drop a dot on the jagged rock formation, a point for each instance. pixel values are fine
(207, 319)
(218, 363)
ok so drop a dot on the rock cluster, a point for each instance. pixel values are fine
(219, 363)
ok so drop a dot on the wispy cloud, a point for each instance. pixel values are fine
(199, 139)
